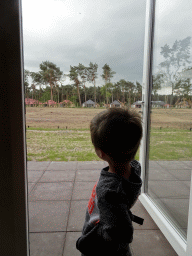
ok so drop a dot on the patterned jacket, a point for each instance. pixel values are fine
(108, 228)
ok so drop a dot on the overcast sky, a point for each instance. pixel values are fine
(69, 32)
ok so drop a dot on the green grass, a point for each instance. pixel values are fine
(60, 145)
(75, 145)
(170, 144)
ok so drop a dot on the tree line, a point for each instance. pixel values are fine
(50, 79)
(173, 72)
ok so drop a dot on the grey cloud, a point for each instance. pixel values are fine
(110, 32)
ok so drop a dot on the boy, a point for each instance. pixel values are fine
(108, 230)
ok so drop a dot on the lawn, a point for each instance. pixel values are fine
(75, 145)
(170, 144)
(62, 145)
(62, 134)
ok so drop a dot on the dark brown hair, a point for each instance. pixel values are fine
(117, 132)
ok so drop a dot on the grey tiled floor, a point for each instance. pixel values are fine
(58, 196)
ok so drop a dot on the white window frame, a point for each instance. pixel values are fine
(181, 246)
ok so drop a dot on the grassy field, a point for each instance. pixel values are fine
(170, 134)
(79, 118)
(63, 145)
(72, 118)
(170, 144)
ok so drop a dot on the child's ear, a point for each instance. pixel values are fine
(102, 154)
(99, 152)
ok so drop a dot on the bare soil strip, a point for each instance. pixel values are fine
(79, 118)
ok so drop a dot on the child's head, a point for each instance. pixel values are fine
(117, 132)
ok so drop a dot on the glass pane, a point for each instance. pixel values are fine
(171, 112)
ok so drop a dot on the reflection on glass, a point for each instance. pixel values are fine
(171, 106)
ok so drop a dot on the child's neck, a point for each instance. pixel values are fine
(121, 169)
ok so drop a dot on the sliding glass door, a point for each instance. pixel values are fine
(171, 112)
(167, 116)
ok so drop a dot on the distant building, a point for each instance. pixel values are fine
(32, 102)
(154, 104)
(89, 104)
(182, 104)
(137, 104)
(66, 103)
(115, 104)
(50, 103)
(166, 105)
(157, 104)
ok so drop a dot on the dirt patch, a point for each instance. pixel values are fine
(79, 118)
(65, 118)
(172, 118)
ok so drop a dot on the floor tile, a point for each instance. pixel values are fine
(178, 210)
(160, 173)
(139, 210)
(151, 243)
(77, 215)
(47, 244)
(62, 166)
(88, 175)
(188, 164)
(153, 164)
(61, 222)
(82, 190)
(173, 165)
(48, 216)
(33, 176)
(37, 166)
(187, 183)
(52, 191)
(90, 165)
(30, 187)
(70, 244)
(181, 174)
(58, 176)
(169, 189)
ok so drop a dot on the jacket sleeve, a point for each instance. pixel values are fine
(112, 235)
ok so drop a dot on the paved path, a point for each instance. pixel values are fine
(57, 200)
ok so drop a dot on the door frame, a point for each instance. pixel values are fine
(13, 158)
(181, 246)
